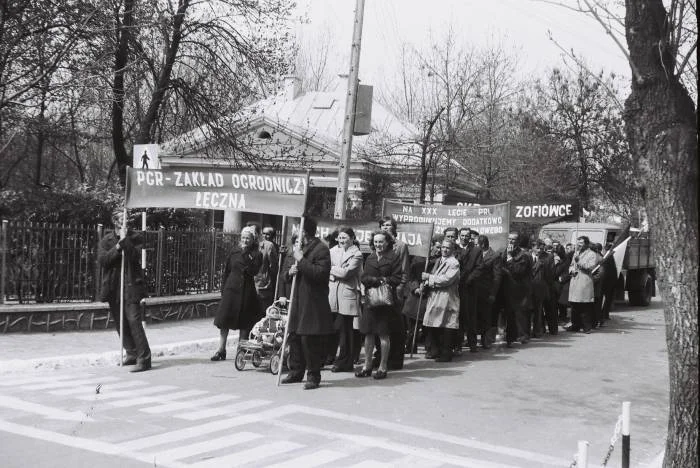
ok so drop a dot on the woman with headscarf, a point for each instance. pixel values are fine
(239, 308)
(383, 266)
(344, 294)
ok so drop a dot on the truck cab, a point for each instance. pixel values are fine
(638, 273)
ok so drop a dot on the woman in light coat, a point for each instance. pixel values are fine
(344, 294)
(442, 306)
(581, 288)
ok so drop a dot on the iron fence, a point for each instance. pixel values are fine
(58, 263)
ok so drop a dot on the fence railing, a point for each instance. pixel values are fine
(42, 263)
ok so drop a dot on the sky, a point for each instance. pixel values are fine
(520, 25)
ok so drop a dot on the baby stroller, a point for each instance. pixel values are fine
(265, 340)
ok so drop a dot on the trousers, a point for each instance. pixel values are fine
(135, 341)
(305, 353)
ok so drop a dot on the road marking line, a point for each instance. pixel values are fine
(372, 464)
(318, 458)
(42, 410)
(206, 446)
(81, 443)
(183, 405)
(204, 429)
(37, 379)
(248, 457)
(91, 388)
(145, 400)
(129, 393)
(70, 383)
(223, 410)
(402, 449)
(441, 437)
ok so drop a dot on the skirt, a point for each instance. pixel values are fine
(375, 320)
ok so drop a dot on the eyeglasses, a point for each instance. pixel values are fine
(267, 233)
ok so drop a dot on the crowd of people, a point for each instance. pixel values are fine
(459, 297)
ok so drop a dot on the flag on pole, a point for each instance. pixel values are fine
(619, 253)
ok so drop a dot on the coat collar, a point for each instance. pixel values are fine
(310, 245)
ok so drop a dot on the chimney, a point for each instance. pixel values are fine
(291, 87)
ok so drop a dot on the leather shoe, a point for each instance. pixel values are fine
(142, 365)
(311, 385)
(363, 373)
(291, 379)
(219, 356)
(129, 361)
(341, 369)
(379, 374)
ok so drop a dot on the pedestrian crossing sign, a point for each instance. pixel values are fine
(146, 157)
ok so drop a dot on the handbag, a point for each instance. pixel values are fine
(380, 296)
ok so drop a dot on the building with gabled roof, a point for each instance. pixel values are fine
(296, 131)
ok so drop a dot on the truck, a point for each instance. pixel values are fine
(637, 276)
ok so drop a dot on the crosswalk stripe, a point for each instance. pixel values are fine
(318, 458)
(206, 446)
(43, 410)
(33, 380)
(251, 456)
(183, 405)
(204, 429)
(145, 400)
(130, 393)
(91, 388)
(69, 383)
(388, 444)
(372, 464)
(223, 410)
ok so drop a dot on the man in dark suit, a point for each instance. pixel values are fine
(517, 287)
(542, 278)
(112, 247)
(470, 262)
(310, 319)
(487, 290)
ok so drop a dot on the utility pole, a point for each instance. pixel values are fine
(341, 194)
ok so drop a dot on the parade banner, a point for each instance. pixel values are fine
(535, 211)
(217, 189)
(490, 220)
(416, 235)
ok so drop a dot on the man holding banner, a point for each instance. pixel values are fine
(112, 247)
(312, 320)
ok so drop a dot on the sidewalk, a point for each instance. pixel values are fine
(26, 351)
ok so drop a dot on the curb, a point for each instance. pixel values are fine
(109, 358)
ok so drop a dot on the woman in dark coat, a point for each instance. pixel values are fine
(239, 308)
(382, 266)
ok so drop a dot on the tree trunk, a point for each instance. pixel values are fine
(144, 135)
(662, 131)
(121, 58)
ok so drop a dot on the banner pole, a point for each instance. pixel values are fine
(121, 293)
(420, 298)
(420, 302)
(280, 256)
(291, 305)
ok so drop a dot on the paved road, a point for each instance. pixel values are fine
(520, 407)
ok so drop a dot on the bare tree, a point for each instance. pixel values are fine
(192, 65)
(661, 121)
(314, 63)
